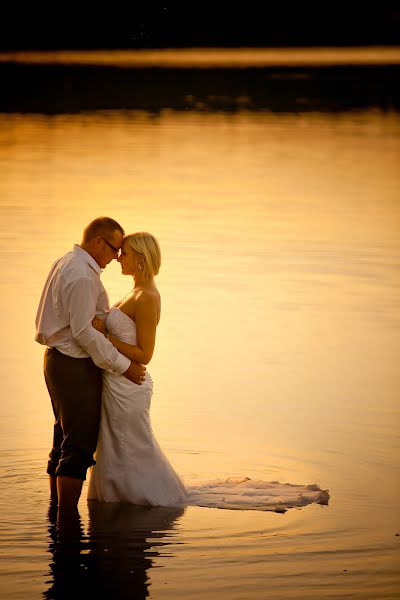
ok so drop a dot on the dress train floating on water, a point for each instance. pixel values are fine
(254, 494)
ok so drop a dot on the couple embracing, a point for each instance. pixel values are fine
(95, 374)
(94, 367)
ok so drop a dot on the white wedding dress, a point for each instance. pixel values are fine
(132, 468)
(130, 465)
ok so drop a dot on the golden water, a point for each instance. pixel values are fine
(278, 349)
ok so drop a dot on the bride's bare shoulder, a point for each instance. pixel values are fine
(148, 302)
(147, 296)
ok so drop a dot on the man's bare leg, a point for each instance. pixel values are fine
(53, 488)
(69, 491)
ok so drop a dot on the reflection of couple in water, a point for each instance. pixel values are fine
(94, 367)
(113, 559)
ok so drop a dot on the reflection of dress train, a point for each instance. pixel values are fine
(131, 467)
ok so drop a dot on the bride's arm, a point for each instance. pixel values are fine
(146, 313)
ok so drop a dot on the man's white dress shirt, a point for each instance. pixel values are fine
(72, 296)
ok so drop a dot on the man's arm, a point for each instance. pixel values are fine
(80, 299)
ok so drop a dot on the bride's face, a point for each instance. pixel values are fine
(129, 259)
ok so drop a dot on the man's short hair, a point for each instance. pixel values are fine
(101, 226)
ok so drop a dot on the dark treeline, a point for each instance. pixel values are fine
(219, 23)
(67, 88)
(53, 89)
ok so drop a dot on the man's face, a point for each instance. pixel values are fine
(108, 247)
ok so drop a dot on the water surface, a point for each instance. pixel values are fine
(277, 352)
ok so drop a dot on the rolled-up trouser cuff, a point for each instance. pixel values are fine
(52, 467)
(74, 466)
(70, 466)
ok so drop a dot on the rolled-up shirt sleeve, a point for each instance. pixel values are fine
(80, 302)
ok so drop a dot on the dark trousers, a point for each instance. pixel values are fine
(74, 385)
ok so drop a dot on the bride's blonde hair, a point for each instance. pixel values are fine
(146, 244)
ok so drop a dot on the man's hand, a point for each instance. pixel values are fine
(98, 324)
(136, 373)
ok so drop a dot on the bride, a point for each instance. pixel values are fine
(130, 465)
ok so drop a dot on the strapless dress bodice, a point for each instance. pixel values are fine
(121, 326)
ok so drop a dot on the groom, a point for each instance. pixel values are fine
(76, 353)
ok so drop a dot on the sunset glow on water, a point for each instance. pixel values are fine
(277, 352)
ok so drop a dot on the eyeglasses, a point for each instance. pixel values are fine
(113, 248)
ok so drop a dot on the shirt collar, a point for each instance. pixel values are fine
(87, 258)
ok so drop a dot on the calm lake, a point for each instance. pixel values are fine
(277, 353)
